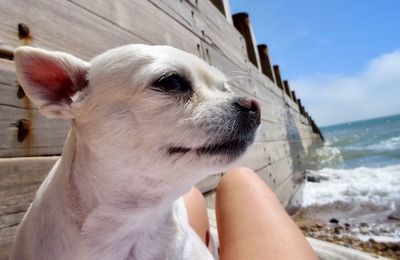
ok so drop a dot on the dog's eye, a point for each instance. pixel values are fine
(173, 84)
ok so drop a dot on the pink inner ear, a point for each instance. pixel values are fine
(53, 81)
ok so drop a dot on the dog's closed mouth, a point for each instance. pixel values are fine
(174, 150)
(231, 148)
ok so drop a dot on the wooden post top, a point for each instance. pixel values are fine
(277, 73)
(294, 96)
(265, 61)
(242, 23)
(287, 88)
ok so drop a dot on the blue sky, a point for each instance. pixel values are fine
(342, 57)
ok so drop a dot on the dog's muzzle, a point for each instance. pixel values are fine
(233, 139)
(247, 120)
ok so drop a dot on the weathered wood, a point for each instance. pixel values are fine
(217, 32)
(72, 28)
(19, 181)
(278, 77)
(242, 23)
(219, 4)
(163, 29)
(301, 108)
(209, 183)
(215, 57)
(289, 102)
(262, 80)
(276, 173)
(294, 96)
(265, 61)
(223, 7)
(286, 190)
(205, 21)
(287, 88)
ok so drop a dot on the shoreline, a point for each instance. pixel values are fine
(361, 228)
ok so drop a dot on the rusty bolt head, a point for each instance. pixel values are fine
(23, 126)
(23, 31)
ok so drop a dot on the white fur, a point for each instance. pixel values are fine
(113, 193)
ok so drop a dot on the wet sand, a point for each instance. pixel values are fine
(369, 228)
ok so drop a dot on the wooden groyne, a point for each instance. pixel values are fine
(30, 143)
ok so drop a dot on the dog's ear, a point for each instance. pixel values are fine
(50, 79)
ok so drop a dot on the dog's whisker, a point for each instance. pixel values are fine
(237, 77)
(236, 71)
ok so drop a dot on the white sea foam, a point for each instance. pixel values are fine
(325, 156)
(380, 186)
(389, 144)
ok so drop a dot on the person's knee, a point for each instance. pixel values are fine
(239, 172)
(236, 176)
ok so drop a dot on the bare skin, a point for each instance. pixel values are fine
(252, 224)
(197, 212)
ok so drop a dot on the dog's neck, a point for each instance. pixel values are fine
(126, 194)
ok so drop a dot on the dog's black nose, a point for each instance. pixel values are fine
(250, 107)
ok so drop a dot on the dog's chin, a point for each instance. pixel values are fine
(227, 150)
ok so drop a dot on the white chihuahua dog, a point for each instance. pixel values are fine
(147, 123)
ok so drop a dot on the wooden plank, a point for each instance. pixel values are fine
(207, 23)
(218, 31)
(286, 190)
(215, 57)
(262, 154)
(163, 30)
(72, 29)
(276, 173)
(209, 184)
(181, 11)
(292, 104)
(264, 81)
(19, 181)
(219, 4)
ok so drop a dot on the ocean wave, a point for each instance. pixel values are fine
(380, 186)
(324, 157)
(385, 145)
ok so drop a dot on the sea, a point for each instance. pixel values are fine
(359, 172)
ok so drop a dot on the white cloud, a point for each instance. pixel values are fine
(374, 92)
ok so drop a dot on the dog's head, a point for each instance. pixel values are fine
(155, 106)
